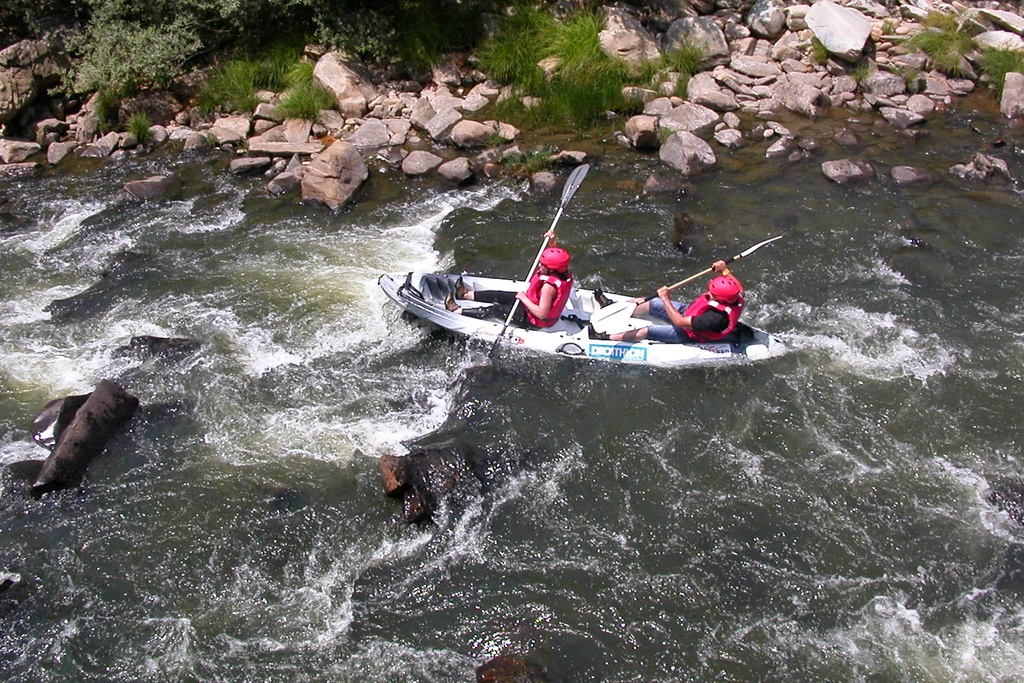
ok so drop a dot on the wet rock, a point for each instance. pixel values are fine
(426, 477)
(420, 162)
(50, 422)
(687, 153)
(1011, 104)
(847, 171)
(154, 188)
(148, 345)
(99, 418)
(456, 171)
(22, 170)
(510, 669)
(909, 175)
(334, 176)
(248, 165)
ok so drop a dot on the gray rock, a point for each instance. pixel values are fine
(153, 188)
(16, 151)
(285, 182)
(19, 170)
(334, 176)
(900, 118)
(371, 135)
(842, 30)
(56, 152)
(690, 117)
(456, 171)
(847, 171)
(347, 80)
(909, 175)
(1011, 104)
(687, 153)
(420, 162)
(247, 165)
(468, 134)
(642, 132)
(766, 19)
(698, 31)
(625, 38)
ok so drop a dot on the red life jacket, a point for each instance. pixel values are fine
(703, 303)
(563, 288)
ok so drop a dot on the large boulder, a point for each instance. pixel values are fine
(1012, 102)
(843, 31)
(687, 153)
(153, 188)
(27, 68)
(334, 176)
(766, 19)
(347, 80)
(625, 38)
(699, 31)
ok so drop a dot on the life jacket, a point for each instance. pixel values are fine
(703, 303)
(563, 288)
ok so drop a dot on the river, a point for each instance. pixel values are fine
(819, 516)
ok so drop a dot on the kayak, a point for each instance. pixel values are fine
(423, 295)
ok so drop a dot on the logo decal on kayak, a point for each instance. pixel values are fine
(625, 352)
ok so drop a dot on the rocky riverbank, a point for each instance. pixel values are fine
(761, 60)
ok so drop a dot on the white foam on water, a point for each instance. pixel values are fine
(60, 222)
(873, 345)
(170, 651)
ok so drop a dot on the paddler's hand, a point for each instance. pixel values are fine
(663, 294)
(522, 297)
(720, 267)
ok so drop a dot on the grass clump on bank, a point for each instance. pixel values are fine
(139, 127)
(235, 84)
(995, 64)
(946, 42)
(304, 98)
(560, 70)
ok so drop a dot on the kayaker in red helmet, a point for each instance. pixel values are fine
(711, 316)
(541, 304)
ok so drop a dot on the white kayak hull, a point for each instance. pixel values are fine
(423, 295)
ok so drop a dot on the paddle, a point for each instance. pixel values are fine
(571, 185)
(616, 308)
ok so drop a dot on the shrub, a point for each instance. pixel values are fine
(122, 56)
(997, 63)
(819, 53)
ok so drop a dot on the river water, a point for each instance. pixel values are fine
(820, 516)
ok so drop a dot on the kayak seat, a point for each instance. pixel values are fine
(436, 287)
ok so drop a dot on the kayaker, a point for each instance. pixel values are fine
(711, 316)
(539, 306)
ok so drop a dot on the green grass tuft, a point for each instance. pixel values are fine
(945, 41)
(304, 98)
(234, 85)
(138, 125)
(997, 63)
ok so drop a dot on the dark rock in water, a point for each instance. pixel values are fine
(147, 345)
(14, 591)
(153, 188)
(510, 669)
(686, 235)
(101, 416)
(1008, 496)
(284, 499)
(424, 478)
(54, 418)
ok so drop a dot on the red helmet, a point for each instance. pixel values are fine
(555, 258)
(725, 288)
